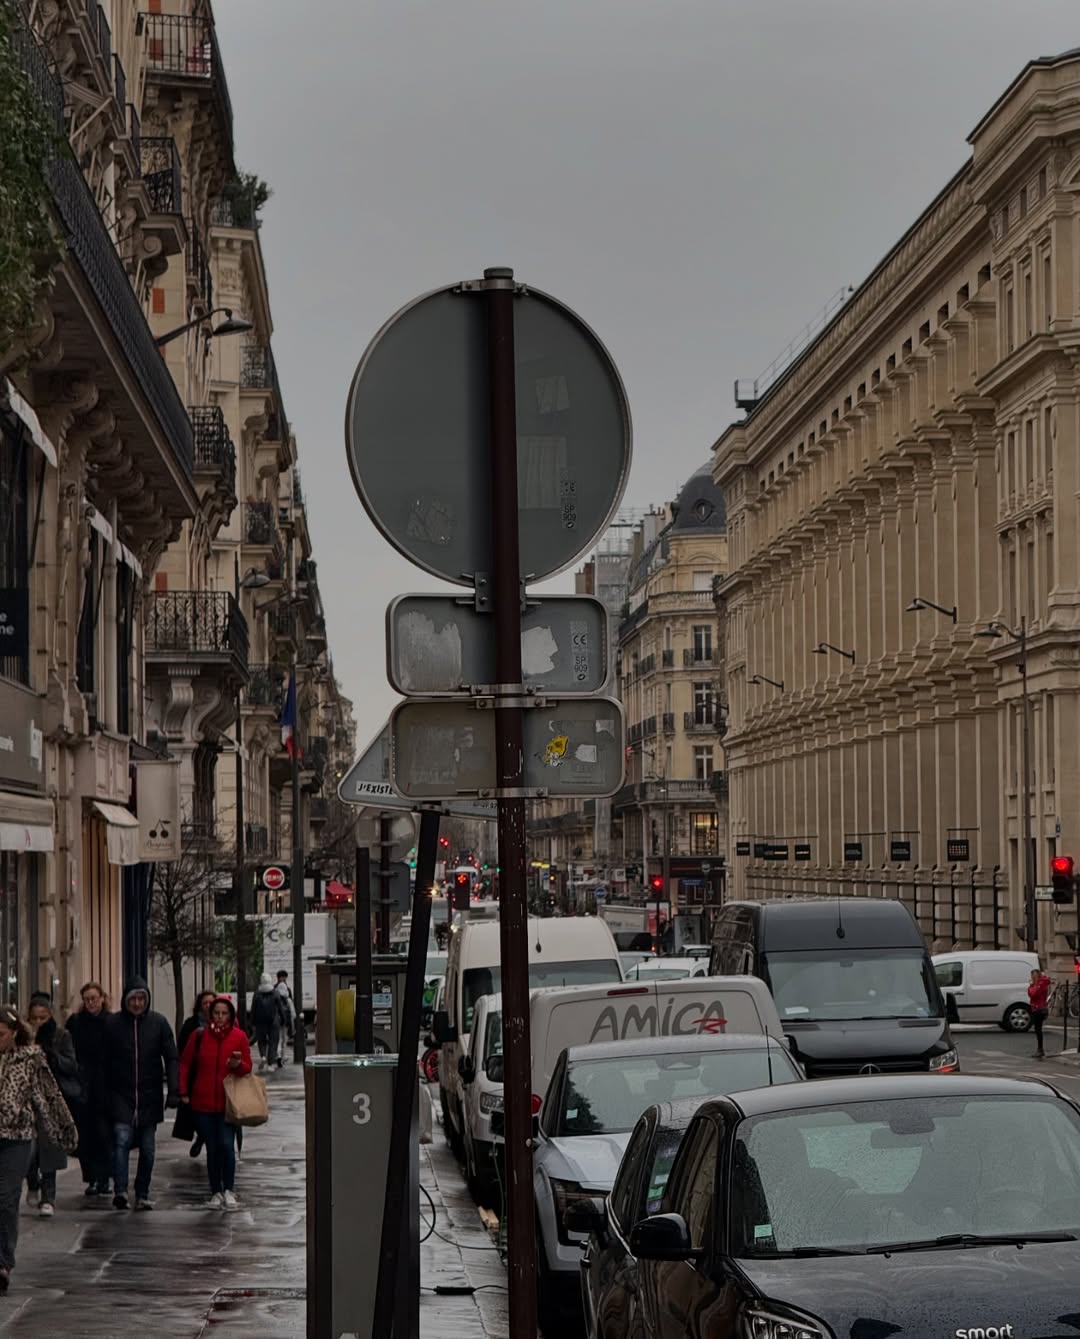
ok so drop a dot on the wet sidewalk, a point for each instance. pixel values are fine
(187, 1272)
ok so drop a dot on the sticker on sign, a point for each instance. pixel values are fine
(273, 877)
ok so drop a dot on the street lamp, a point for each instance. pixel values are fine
(918, 604)
(230, 326)
(764, 678)
(1019, 637)
(823, 648)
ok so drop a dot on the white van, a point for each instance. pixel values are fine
(563, 951)
(584, 1015)
(988, 985)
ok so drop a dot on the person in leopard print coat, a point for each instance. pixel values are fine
(29, 1100)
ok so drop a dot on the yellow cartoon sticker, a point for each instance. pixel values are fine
(556, 750)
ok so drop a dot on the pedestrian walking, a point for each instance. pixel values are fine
(87, 1029)
(198, 1018)
(270, 1020)
(140, 1059)
(29, 1101)
(210, 1056)
(56, 1045)
(290, 1011)
(1039, 999)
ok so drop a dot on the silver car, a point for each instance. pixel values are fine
(592, 1104)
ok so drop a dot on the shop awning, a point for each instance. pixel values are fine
(122, 836)
(33, 427)
(26, 837)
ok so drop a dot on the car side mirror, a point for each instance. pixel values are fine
(445, 1032)
(466, 1067)
(493, 1068)
(665, 1236)
(952, 1013)
(585, 1216)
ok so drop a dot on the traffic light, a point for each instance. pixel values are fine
(444, 842)
(656, 883)
(1063, 878)
(461, 891)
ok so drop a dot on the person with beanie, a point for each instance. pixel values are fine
(140, 1060)
(210, 1056)
(268, 1017)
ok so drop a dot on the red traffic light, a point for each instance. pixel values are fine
(462, 880)
(1062, 878)
(1062, 864)
(656, 883)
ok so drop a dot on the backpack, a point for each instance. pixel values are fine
(266, 1009)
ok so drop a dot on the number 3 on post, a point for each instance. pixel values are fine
(362, 1103)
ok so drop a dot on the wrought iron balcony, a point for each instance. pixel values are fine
(256, 839)
(161, 173)
(283, 621)
(648, 727)
(264, 687)
(197, 266)
(120, 83)
(260, 525)
(668, 659)
(185, 48)
(637, 793)
(92, 250)
(669, 722)
(317, 753)
(258, 371)
(646, 666)
(135, 134)
(698, 656)
(104, 35)
(214, 449)
(702, 722)
(197, 625)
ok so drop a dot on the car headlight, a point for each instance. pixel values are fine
(762, 1322)
(490, 1102)
(566, 1193)
(945, 1063)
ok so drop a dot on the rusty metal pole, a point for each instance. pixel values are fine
(509, 745)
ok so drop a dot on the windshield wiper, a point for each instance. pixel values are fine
(971, 1239)
(805, 1251)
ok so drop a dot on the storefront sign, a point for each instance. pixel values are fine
(21, 752)
(157, 797)
(14, 622)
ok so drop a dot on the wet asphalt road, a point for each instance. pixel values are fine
(988, 1050)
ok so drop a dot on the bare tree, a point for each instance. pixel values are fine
(182, 925)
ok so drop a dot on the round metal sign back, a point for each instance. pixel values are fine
(418, 439)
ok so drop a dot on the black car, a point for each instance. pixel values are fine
(609, 1278)
(908, 1207)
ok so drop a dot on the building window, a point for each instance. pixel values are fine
(703, 762)
(702, 640)
(703, 704)
(704, 834)
(1048, 442)
(14, 545)
(125, 631)
(86, 647)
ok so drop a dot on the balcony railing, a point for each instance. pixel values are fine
(646, 666)
(648, 727)
(135, 133)
(660, 792)
(161, 173)
(197, 623)
(185, 46)
(700, 722)
(256, 839)
(668, 659)
(264, 686)
(700, 655)
(104, 33)
(214, 449)
(317, 753)
(669, 722)
(197, 265)
(91, 248)
(258, 371)
(120, 83)
(260, 526)
(283, 622)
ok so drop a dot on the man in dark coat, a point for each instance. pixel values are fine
(87, 1028)
(140, 1056)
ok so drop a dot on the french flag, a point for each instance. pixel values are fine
(287, 721)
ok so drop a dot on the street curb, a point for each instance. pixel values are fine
(1066, 1058)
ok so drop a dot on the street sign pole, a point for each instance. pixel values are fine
(363, 1018)
(392, 1317)
(509, 732)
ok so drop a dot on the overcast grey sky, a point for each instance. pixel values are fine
(695, 177)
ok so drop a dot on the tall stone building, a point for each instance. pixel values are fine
(138, 462)
(906, 486)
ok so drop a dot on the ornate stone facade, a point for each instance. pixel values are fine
(924, 451)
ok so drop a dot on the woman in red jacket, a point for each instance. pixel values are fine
(211, 1054)
(1039, 998)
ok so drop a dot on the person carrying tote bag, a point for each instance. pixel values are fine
(223, 1052)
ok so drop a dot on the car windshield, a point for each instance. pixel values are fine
(880, 1174)
(865, 983)
(607, 1096)
(479, 981)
